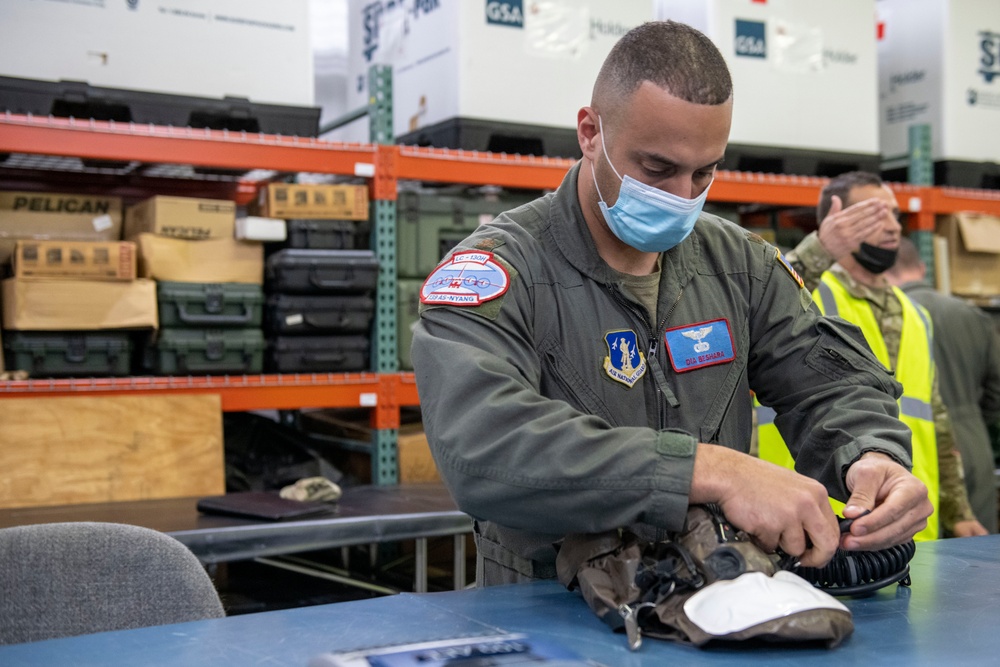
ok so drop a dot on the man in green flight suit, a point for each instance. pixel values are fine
(967, 352)
(845, 261)
(585, 361)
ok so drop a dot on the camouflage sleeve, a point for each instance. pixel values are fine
(954, 498)
(810, 259)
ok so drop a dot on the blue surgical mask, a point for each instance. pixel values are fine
(647, 218)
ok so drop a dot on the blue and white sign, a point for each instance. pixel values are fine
(751, 39)
(695, 346)
(467, 279)
(506, 12)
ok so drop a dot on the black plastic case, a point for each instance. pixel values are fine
(310, 315)
(299, 271)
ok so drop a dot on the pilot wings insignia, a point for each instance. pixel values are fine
(697, 335)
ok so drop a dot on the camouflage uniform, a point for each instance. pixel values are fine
(811, 260)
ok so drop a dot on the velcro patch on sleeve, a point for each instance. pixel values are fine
(788, 267)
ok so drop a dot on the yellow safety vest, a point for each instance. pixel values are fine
(914, 370)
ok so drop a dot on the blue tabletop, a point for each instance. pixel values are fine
(950, 616)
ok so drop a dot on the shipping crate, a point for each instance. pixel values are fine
(321, 271)
(210, 305)
(303, 314)
(312, 354)
(68, 354)
(428, 224)
(207, 352)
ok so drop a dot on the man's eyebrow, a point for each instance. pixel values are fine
(656, 157)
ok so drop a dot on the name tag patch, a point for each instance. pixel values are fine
(625, 362)
(695, 346)
(469, 278)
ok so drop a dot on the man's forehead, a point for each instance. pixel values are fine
(860, 193)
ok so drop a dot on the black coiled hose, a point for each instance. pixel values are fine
(861, 572)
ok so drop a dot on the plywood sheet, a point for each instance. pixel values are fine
(87, 449)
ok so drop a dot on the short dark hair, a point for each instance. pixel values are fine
(672, 55)
(841, 186)
(908, 256)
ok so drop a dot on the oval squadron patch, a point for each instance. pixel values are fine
(469, 278)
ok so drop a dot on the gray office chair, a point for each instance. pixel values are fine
(65, 579)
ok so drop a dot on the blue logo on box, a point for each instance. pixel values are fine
(989, 55)
(506, 12)
(751, 39)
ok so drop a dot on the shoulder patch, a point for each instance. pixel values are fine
(788, 267)
(468, 278)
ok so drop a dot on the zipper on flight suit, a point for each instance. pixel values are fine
(661, 381)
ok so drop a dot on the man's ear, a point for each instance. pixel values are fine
(587, 132)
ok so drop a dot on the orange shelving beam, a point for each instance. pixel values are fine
(107, 140)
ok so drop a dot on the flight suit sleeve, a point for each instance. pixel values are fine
(510, 455)
(834, 400)
(990, 401)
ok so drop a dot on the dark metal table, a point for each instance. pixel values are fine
(364, 515)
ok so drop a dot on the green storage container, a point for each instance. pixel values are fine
(408, 312)
(210, 305)
(429, 224)
(207, 352)
(68, 354)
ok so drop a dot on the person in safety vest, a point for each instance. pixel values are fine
(585, 361)
(843, 263)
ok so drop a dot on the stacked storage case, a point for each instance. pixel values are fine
(320, 284)
(209, 295)
(429, 223)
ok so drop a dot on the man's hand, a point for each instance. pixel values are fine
(777, 506)
(970, 528)
(898, 502)
(842, 230)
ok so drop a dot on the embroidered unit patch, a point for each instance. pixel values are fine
(469, 278)
(695, 346)
(625, 362)
(788, 267)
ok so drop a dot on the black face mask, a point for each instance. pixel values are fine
(874, 259)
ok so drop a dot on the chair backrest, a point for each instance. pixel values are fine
(64, 579)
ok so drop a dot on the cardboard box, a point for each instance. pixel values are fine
(939, 65)
(56, 216)
(78, 305)
(415, 461)
(805, 74)
(92, 260)
(973, 252)
(182, 218)
(204, 48)
(450, 58)
(210, 261)
(313, 201)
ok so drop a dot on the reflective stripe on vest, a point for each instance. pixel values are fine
(914, 370)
